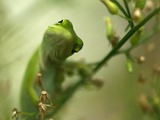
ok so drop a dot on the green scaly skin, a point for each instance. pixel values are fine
(59, 42)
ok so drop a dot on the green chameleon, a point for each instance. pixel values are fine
(59, 42)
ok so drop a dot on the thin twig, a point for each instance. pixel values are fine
(129, 14)
(125, 39)
(142, 41)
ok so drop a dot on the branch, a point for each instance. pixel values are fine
(125, 39)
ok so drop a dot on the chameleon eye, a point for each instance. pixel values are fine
(60, 21)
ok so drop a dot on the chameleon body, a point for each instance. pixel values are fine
(59, 42)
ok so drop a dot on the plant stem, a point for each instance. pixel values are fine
(69, 94)
(142, 41)
(125, 39)
(131, 24)
(127, 15)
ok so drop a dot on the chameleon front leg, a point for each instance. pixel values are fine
(29, 97)
(80, 68)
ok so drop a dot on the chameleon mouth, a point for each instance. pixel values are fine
(77, 48)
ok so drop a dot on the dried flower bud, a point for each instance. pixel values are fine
(142, 79)
(15, 114)
(114, 40)
(112, 7)
(144, 104)
(39, 81)
(44, 97)
(137, 15)
(97, 82)
(156, 69)
(42, 110)
(149, 5)
(140, 4)
(141, 59)
(151, 47)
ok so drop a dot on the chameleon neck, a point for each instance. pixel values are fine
(49, 64)
(50, 76)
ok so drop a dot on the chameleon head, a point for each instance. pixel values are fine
(60, 41)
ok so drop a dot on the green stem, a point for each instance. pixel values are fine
(69, 94)
(125, 39)
(130, 21)
(144, 40)
(127, 15)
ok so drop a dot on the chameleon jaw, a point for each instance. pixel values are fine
(76, 48)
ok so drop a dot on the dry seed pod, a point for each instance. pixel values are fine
(156, 69)
(39, 81)
(15, 114)
(45, 97)
(137, 15)
(42, 109)
(141, 59)
(97, 82)
(150, 47)
(144, 104)
(149, 5)
(142, 79)
(114, 40)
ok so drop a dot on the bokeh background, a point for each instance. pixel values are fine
(22, 24)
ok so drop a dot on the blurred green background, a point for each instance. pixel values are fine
(22, 24)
